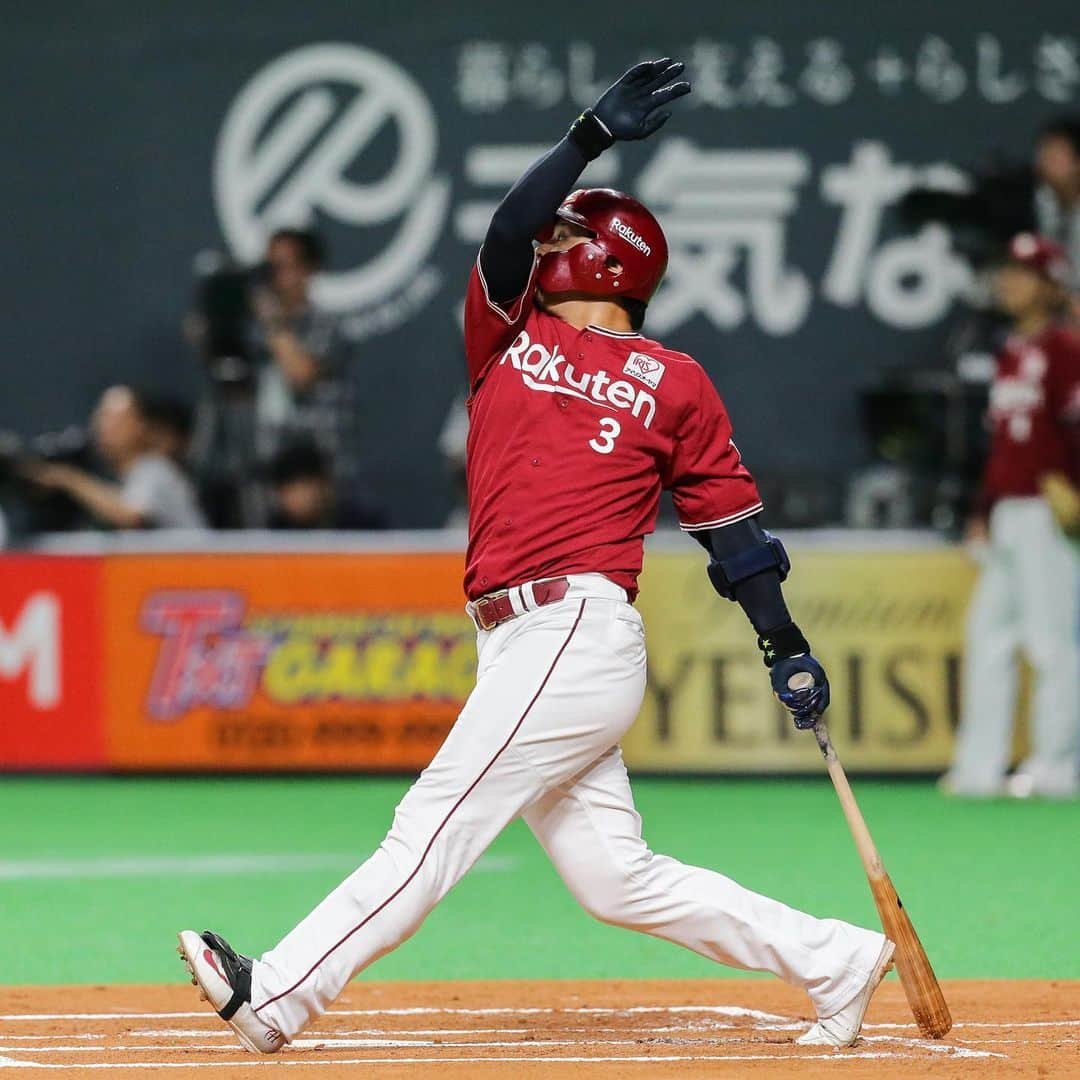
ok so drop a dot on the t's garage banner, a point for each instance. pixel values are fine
(283, 661)
(362, 662)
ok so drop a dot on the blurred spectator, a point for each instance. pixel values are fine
(1030, 504)
(301, 387)
(170, 422)
(1057, 197)
(304, 496)
(152, 491)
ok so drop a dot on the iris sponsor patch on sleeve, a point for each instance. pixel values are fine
(645, 368)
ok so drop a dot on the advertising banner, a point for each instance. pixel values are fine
(50, 663)
(283, 661)
(887, 625)
(322, 661)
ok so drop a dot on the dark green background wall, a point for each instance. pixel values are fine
(114, 111)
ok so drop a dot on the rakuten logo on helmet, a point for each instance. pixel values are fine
(630, 236)
(550, 372)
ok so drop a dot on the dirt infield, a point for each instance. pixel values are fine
(542, 1030)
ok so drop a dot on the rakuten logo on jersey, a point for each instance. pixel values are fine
(551, 373)
(630, 236)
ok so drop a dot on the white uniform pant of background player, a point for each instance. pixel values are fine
(1026, 599)
(556, 690)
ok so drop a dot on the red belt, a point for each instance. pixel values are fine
(498, 607)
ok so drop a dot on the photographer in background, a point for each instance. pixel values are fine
(152, 491)
(276, 365)
(300, 381)
(1029, 507)
(1039, 193)
(1057, 196)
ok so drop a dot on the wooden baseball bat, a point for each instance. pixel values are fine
(924, 995)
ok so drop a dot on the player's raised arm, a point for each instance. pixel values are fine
(632, 108)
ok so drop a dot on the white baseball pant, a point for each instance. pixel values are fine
(1026, 599)
(556, 689)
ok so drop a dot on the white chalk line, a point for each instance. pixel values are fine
(381, 1037)
(441, 1045)
(986, 1024)
(189, 1033)
(31, 1038)
(1020, 1024)
(203, 1015)
(591, 1029)
(428, 1010)
(394, 1040)
(411, 1038)
(330, 1043)
(704, 1029)
(945, 1049)
(214, 864)
(651, 1059)
(996, 1042)
(733, 1011)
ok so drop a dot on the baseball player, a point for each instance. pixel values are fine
(1027, 593)
(577, 423)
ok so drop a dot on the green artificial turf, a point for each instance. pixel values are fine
(991, 886)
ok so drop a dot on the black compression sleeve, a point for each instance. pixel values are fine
(761, 596)
(507, 255)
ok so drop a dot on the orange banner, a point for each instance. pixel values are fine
(283, 661)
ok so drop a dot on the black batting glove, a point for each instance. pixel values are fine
(798, 679)
(632, 107)
(802, 687)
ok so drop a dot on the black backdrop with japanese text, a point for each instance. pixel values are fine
(137, 135)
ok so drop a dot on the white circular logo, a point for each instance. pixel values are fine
(286, 149)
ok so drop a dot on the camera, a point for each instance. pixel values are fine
(224, 309)
(982, 220)
(33, 509)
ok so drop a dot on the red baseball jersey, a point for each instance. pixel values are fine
(1034, 414)
(572, 436)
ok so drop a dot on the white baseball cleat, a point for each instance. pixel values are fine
(1024, 785)
(955, 787)
(223, 977)
(843, 1027)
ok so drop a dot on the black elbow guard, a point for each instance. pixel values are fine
(728, 572)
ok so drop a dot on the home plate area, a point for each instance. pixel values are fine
(532, 1030)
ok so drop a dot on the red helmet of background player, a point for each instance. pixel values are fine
(1045, 257)
(622, 231)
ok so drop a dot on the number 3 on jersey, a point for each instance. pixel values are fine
(604, 443)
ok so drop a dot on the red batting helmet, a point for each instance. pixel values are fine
(623, 231)
(1041, 255)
